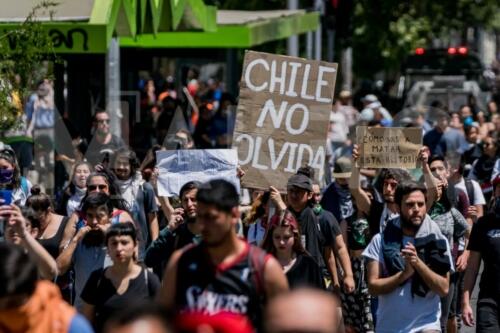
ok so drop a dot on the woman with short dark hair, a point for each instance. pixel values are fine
(120, 285)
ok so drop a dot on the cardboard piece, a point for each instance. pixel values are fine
(177, 167)
(282, 117)
(388, 147)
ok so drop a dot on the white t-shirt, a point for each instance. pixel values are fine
(399, 311)
(478, 194)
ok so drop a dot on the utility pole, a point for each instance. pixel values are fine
(293, 41)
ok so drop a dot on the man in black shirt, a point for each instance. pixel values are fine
(103, 143)
(223, 273)
(173, 238)
(484, 243)
(318, 238)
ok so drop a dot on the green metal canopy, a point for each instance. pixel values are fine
(87, 26)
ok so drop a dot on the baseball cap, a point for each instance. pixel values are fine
(342, 168)
(300, 181)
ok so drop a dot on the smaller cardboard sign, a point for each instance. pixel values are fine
(177, 167)
(388, 147)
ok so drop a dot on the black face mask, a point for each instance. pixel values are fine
(94, 238)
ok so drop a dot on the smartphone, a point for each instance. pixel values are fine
(5, 197)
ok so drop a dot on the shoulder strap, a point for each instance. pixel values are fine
(24, 185)
(148, 285)
(470, 191)
(257, 258)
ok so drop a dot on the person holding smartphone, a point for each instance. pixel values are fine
(182, 230)
(22, 230)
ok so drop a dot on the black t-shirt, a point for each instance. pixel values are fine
(305, 273)
(96, 151)
(100, 292)
(233, 287)
(329, 228)
(159, 252)
(485, 239)
(312, 238)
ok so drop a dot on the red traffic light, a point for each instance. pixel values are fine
(452, 50)
(419, 50)
(462, 50)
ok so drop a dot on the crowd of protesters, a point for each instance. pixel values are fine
(363, 250)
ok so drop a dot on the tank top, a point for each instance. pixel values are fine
(52, 244)
(209, 289)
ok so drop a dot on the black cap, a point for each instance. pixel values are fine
(300, 181)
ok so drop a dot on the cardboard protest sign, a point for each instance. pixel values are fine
(177, 167)
(282, 117)
(388, 147)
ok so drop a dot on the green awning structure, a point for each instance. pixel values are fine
(87, 26)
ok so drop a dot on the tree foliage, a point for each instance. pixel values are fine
(385, 31)
(22, 53)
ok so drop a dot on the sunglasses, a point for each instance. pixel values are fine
(103, 121)
(101, 187)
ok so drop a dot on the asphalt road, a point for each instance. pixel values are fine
(466, 329)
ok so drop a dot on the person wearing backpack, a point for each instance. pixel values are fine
(223, 273)
(121, 285)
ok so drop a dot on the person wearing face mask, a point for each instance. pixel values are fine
(484, 245)
(76, 190)
(86, 250)
(181, 230)
(97, 182)
(11, 179)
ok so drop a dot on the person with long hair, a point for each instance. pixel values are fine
(138, 194)
(28, 304)
(10, 177)
(22, 228)
(75, 191)
(97, 182)
(124, 283)
(283, 240)
(453, 226)
(51, 224)
(257, 219)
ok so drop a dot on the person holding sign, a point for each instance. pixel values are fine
(299, 196)
(380, 213)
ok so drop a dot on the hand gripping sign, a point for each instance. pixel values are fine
(282, 117)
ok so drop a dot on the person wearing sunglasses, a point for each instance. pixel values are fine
(97, 182)
(103, 139)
